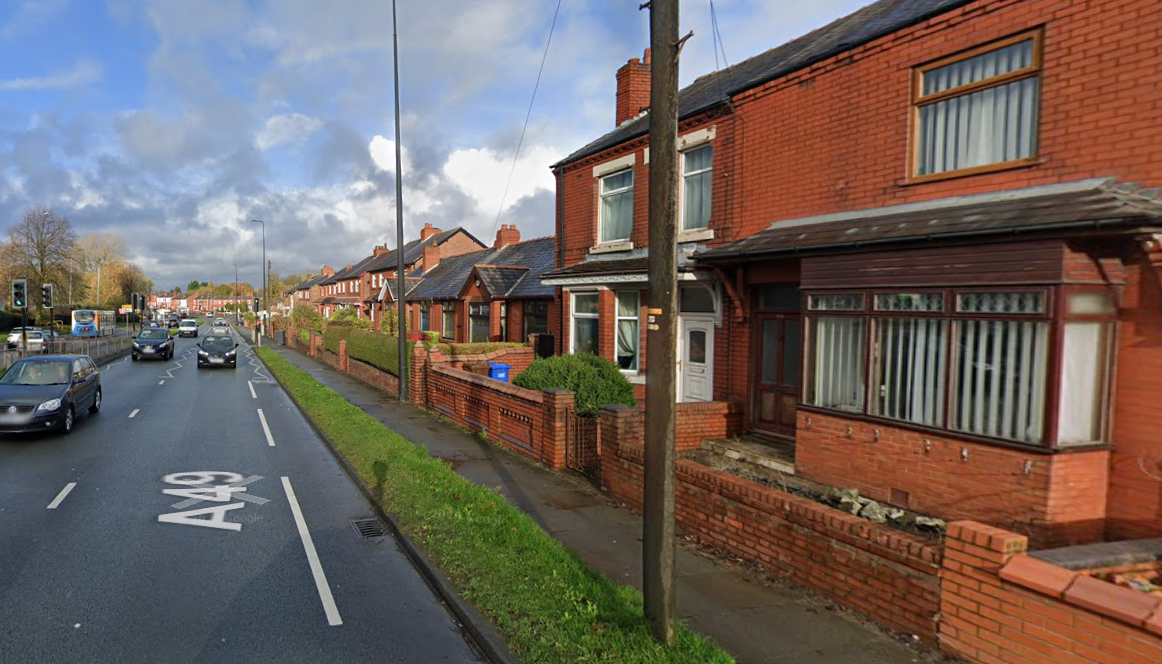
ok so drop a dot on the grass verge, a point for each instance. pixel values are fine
(546, 602)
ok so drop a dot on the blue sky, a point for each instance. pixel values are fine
(171, 122)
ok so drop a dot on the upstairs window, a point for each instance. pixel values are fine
(978, 111)
(616, 222)
(696, 180)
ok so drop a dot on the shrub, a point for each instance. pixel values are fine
(306, 318)
(332, 333)
(305, 335)
(594, 380)
(377, 350)
(350, 317)
(480, 348)
(432, 337)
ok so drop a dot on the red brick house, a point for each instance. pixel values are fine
(909, 246)
(420, 255)
(490, 295)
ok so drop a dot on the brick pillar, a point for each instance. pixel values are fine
(316, 342)
(558, 407)
(343, 364)
(417, 374)
(621, 426)
(973, 556)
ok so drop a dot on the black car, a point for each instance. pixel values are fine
(47, 392)
(153, 342)
(218, 350)
(173, 323)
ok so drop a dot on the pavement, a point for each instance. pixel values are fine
(103, 558)
(757, 621)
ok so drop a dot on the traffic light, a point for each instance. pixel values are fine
(19, 293)
(255, 305)
(136, 303)
(46, 296)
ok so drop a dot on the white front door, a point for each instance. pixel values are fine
(695, 359)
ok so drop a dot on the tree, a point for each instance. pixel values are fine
(194, 286)
(126, 279)
(42, 247)
(94, 252)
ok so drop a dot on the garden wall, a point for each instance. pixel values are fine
(889, 576)
(1001, 606)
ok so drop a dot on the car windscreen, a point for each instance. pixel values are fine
(189, 323)
(83, 316)
(37, 372)
(153, 334)
(218, 343)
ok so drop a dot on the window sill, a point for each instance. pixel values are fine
(634, 377)
(700, 235)
(952, 436)
(611, 247)
(976, 170)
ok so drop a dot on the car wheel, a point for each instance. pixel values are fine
(135, 357)
(96, 402)
(67, 425)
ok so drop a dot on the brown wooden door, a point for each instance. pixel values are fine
(777, 374)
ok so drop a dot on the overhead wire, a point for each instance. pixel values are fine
(524, 128)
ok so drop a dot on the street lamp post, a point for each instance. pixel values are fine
(262, 325)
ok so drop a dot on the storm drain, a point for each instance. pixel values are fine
(369, 528)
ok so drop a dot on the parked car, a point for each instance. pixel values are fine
(188, 328)
(218, 350)
(14, 335)
(152, 342)
(45, 393)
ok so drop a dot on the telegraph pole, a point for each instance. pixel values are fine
(400, 277)
(662, 325)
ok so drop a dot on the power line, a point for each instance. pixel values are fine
(524, 128)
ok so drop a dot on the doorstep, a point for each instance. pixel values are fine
(773, 453)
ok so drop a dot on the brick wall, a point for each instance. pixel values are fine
(1059, 499)
(887, 575)
(1135, 497)
(697, 422)
(376, 378)
(1000, 606)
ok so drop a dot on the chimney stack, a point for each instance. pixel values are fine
(430, 258)
(633, 88)
(508, 234)
(379, 250)
(328, 270)
(428, 231)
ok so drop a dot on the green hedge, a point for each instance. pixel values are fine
(305, 335)
(381, 352)
(595, 381)
(481, 348)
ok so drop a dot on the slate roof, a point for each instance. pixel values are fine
(863, 26)
(1087, 205)
(500, 280)
(638, 264)
(306, 285)
(414, 250)
(446, 279)
(409, 283)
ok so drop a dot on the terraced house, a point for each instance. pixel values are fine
(919, 256)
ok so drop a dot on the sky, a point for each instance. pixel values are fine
(172, 123)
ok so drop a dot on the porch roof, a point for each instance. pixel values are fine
(1083, 205)
(607, 271)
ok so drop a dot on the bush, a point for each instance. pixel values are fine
(306, 318)
(305, 335)
(333, 332)
(377, 350)
(594, 380)
(350, 317)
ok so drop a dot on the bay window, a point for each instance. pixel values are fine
(628, 330)
(972, 361)
(448, 324)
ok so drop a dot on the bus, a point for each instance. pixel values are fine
(91, 323)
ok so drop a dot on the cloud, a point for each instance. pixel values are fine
(288, 128)
(83, 73)
(30, 15)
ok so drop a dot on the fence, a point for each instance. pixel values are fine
(98, 349)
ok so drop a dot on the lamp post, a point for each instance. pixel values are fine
(262, 325)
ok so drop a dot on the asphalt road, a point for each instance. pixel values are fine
(107, 573)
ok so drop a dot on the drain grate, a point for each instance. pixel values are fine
(369, 528)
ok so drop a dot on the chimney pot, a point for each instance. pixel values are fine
(508, 234)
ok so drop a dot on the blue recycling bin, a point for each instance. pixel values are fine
(499, 371)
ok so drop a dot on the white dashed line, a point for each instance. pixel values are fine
(252, 394)
(61, 496)
(265, 429)
(328, 600)
(162, 383)
(135, 412)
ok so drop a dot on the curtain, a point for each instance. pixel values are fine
(910, 369)
(1082, 383)
(838, 371)
(696, 188)
(1000, 378)
(616, 207)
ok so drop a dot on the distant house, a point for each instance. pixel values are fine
(419, 256)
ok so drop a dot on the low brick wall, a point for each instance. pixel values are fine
(1001, 606)
(527, 422)
(697, 422)
(374, 377)
(327, 357)
(519, 358)
(890, 576)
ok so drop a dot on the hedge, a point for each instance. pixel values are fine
(595, 381)
(380, 351)
(481, 348)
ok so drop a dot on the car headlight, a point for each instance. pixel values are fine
(230, 354)
(51, 404)
(203, 353)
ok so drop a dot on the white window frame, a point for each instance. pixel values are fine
(684, 197)
(602, 195)
(637, 338)
(574, 315)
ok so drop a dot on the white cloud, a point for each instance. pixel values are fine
(383, 154)
(83, 73)
(287, 128)
(483, 175)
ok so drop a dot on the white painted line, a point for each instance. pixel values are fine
(61, 496)
(265, 429)
(252, 394)
(162, 383)
(135, 412)
(328, 600)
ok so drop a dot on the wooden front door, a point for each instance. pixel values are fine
(777, 374)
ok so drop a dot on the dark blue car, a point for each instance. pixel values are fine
(48, 392)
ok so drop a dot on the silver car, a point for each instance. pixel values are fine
(14, 335)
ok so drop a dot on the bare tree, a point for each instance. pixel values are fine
(41, 248)
(95, 251)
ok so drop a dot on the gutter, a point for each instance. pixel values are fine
(1094, 224)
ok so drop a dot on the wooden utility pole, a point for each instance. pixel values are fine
(662, 324)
